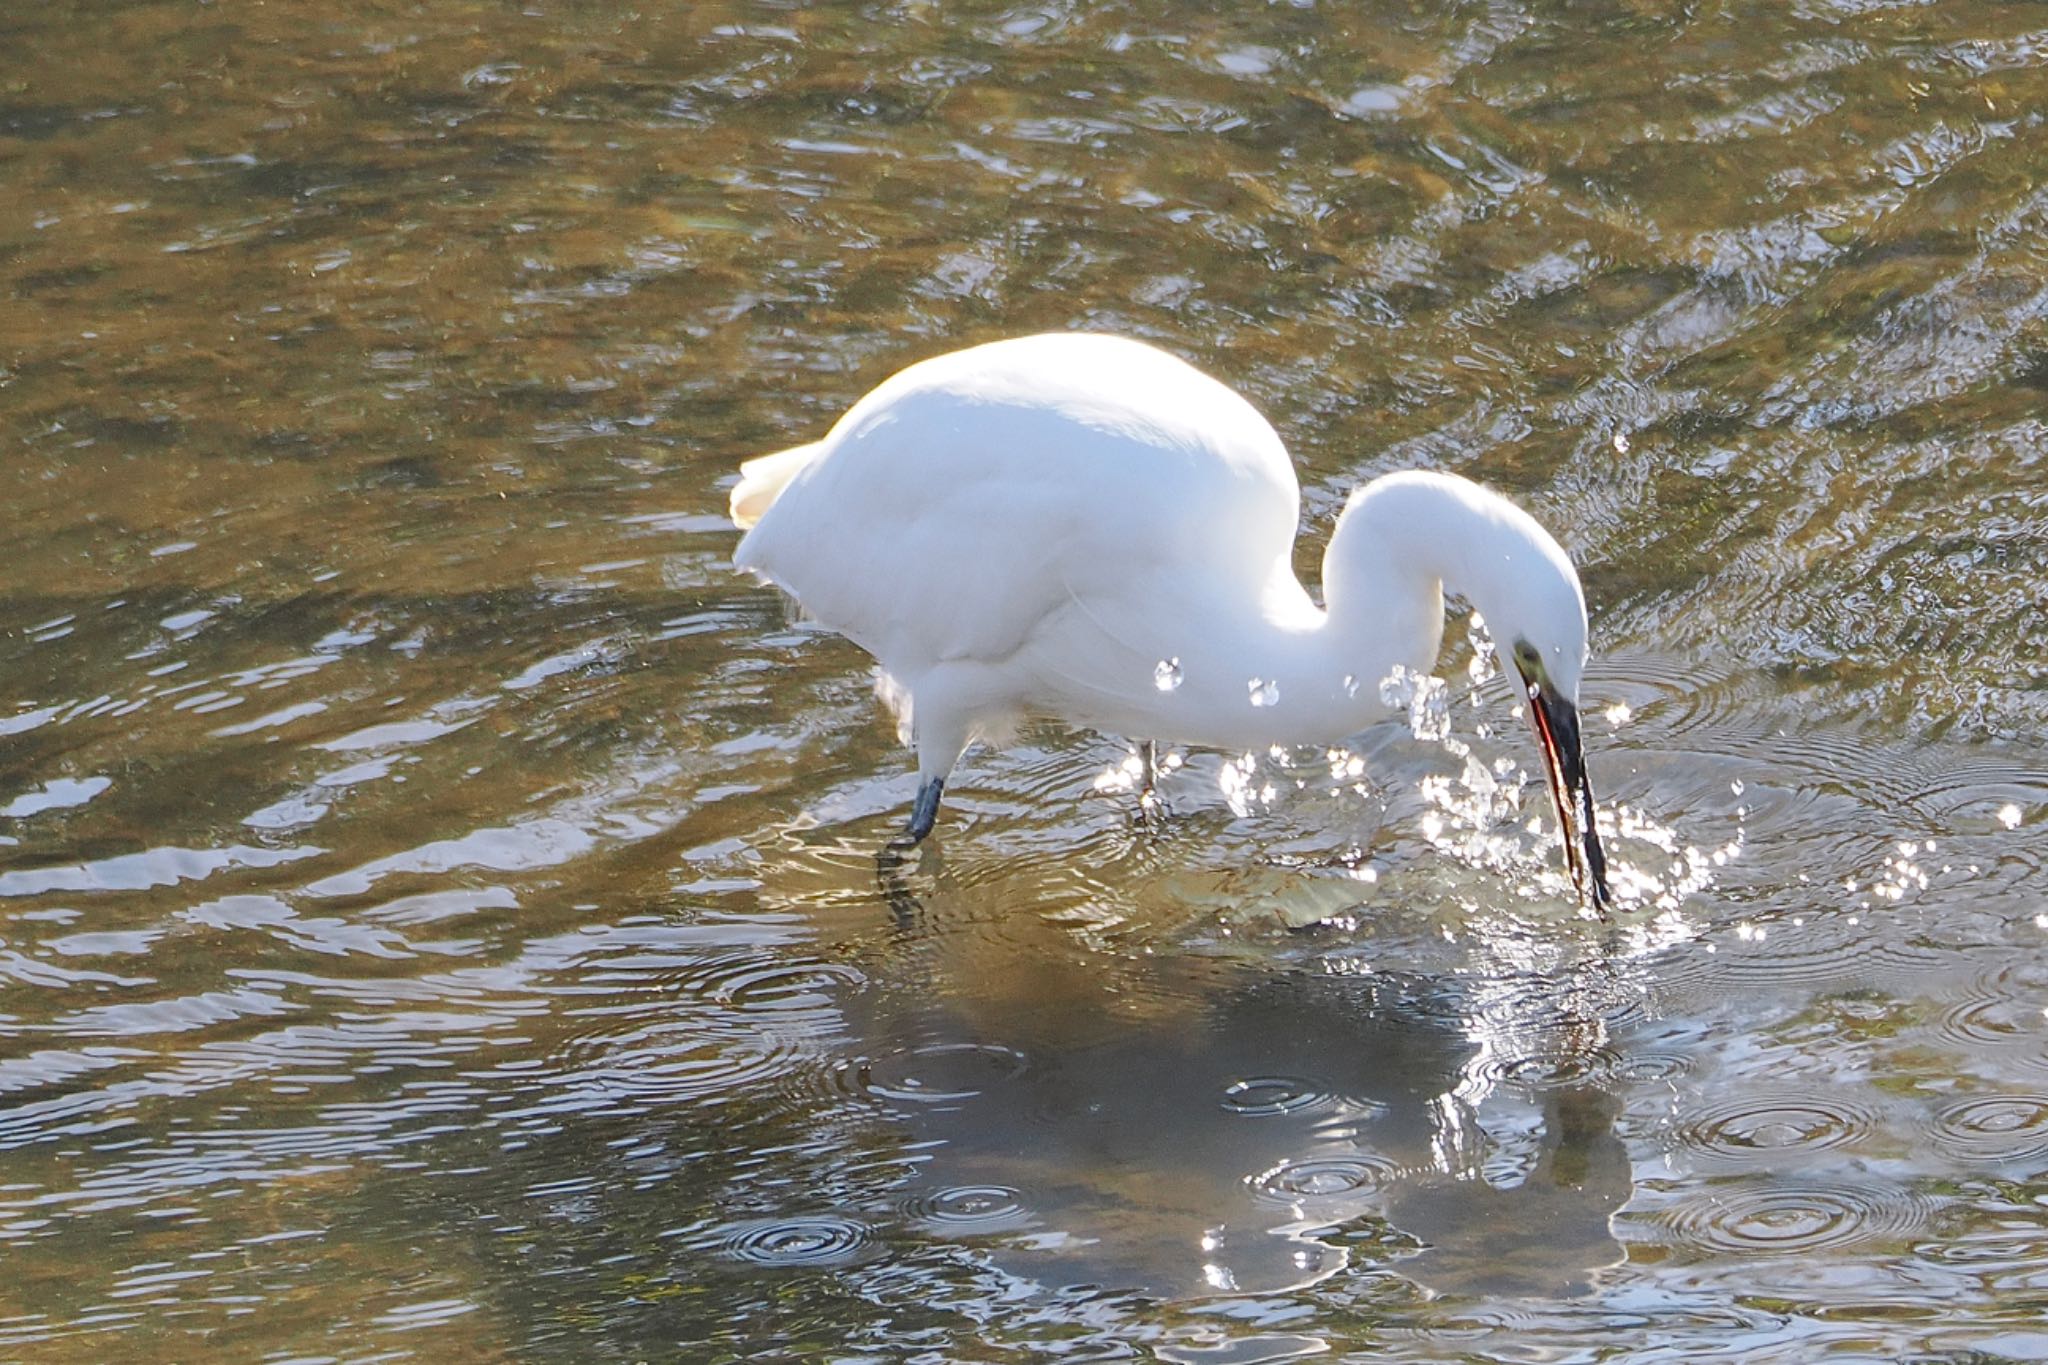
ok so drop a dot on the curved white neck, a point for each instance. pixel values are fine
(1384, 572)
(1261, 664)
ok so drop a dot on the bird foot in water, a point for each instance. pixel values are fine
(1153, 813)
(924, 813)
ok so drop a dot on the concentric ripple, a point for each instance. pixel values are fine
(1547, 1069)
(752, 985)
(968, 1209)
(1792, 1218)
(1270, 1096)
(2004, 1008)
(1652, 1068)
(1768, 1127)
(1993, 1127)
(1324, 1179)
(822, 1240)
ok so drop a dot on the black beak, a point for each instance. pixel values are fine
(1556, 723)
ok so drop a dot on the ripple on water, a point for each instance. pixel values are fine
(752, 985)
(723, 1025)
(679, 1073)
(1546, 1068)
(933, 1073)
(1543, 1010)
(1649, 1067)
(2002, 1009)
(1990, 1128)
(959, 1209)
(808, 1241)
(1788, 1218)
(1827, 949)
(1271, 1096)
(1991, 1253)
(1768, 1127)
(1309, 1181)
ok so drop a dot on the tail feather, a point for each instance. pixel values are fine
(762, 480)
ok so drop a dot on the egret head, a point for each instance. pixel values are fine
(1530, 596)
(1435, 533)
(1553, 712)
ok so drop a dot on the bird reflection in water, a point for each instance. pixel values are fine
(1188, 1126)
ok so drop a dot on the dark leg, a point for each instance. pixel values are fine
(1151, 810)
(923, 815)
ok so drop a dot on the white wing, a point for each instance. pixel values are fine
(956, 506)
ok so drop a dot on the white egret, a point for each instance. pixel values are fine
(1084, 528)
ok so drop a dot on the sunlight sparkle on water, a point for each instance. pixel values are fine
(1481, 817)
(1167, 675)
(1478, 817)
(1123, 775)
(1901, 875)
(1240, 787)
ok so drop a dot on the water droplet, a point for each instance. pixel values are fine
(1167, 675)
(1424, 698)
(1618, 714)
(2009, 815)
(1397, 689)
(1482, 666)
(1264, 692)
(1736, 786)
(1429, 712)
(1479, 779)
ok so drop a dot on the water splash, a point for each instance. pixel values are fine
(1423, 696)
(1484, 662)
(1167, 675)
(1263, 691)
(1397, 689)
(1482, 818)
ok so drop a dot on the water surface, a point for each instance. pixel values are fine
(437, 908)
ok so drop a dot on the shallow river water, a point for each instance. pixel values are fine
(438, 915)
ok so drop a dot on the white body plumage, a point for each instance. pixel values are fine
(1034, 527)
